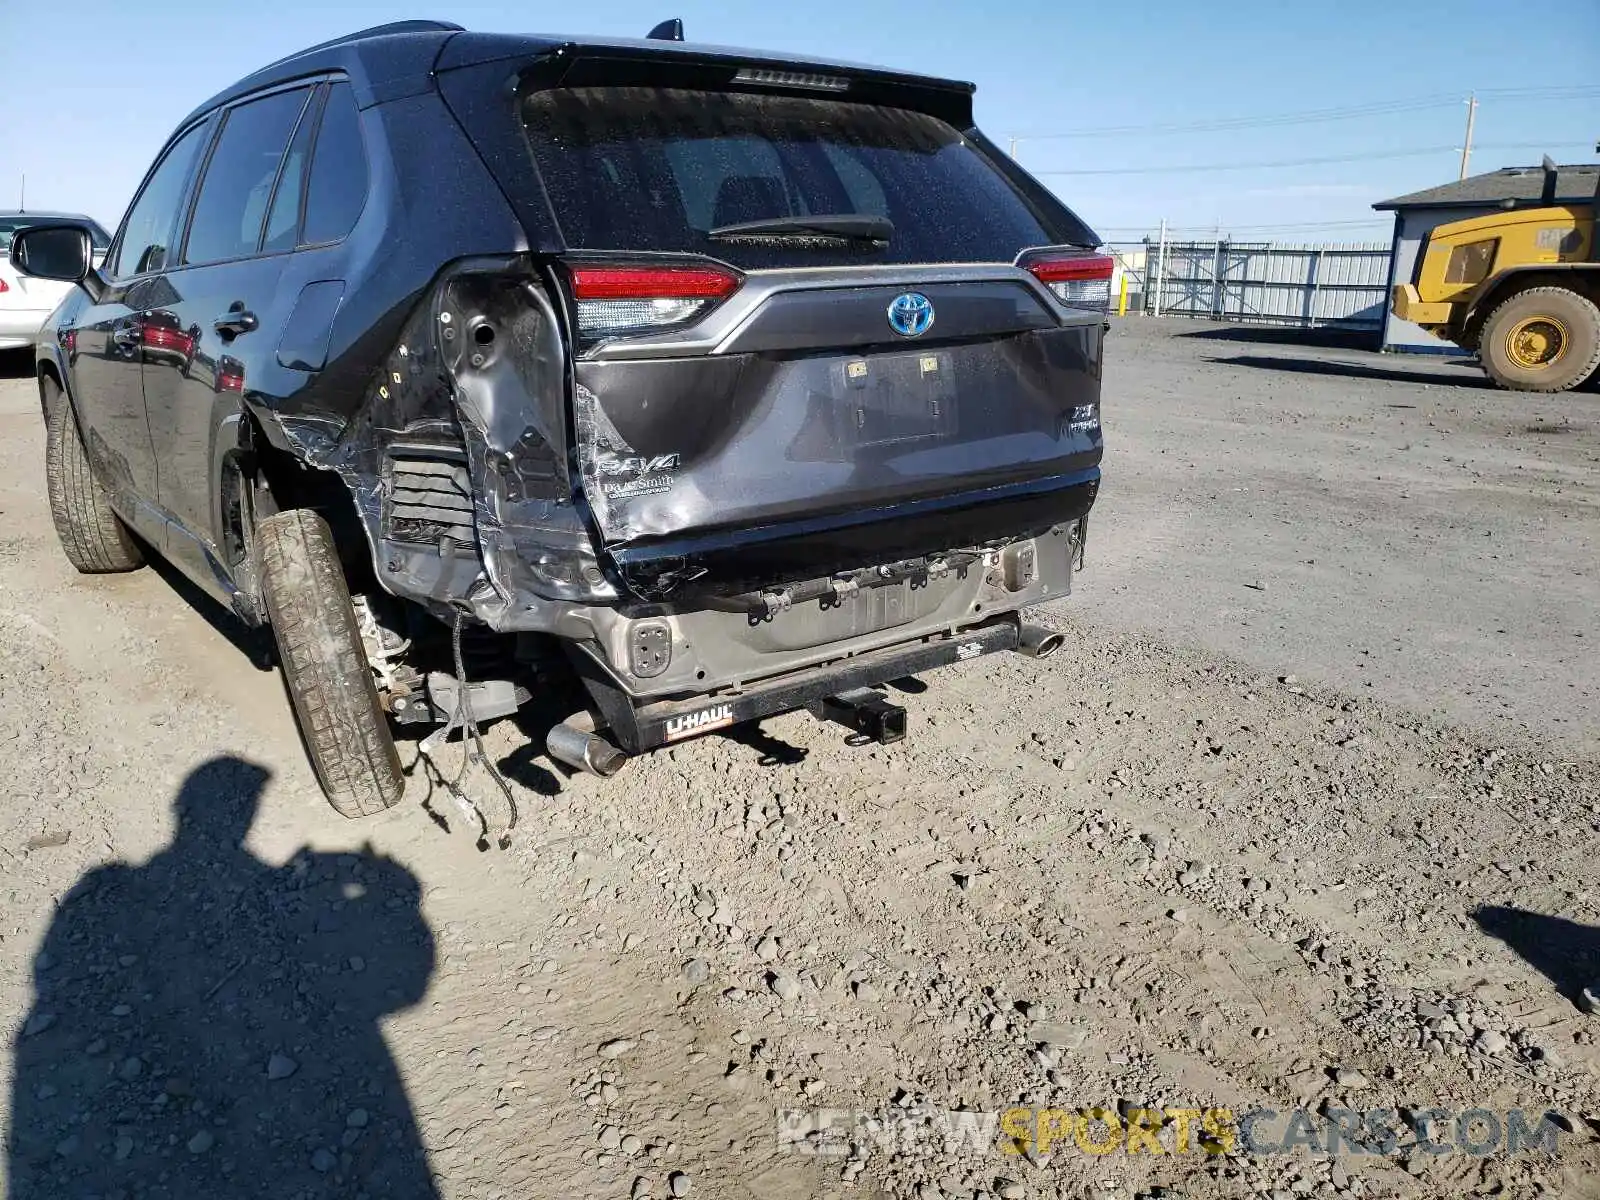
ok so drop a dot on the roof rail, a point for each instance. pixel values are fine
(362, 35)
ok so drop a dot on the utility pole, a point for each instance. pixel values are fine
(1013, 148)
(1466, 147)
(22, 199)
(1161, 266)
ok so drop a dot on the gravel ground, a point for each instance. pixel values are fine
(1304, 816)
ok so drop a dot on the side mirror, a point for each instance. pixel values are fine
(64, 252)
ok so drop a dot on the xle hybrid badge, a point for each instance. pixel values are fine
(911, 314)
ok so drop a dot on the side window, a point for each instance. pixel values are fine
(232, 204)
(152, 224)
(338, 189)
(283, 222)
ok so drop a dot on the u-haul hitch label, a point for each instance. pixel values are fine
(688, 724)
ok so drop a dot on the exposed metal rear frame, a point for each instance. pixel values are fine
(648, 726)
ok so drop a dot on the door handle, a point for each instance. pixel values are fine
(235, 321)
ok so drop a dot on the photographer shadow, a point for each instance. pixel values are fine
(1565, 952)
(206, 1024)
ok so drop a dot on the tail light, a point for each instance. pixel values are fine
(1077, 279)
(4, 286)
(615, 299)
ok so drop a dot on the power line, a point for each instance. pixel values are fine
(1288, 162)
(1318, 116)
(1249, 122)
(1570, 91)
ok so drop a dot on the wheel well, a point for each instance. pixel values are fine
(1583, 280)
(47, 370)
(277, 481)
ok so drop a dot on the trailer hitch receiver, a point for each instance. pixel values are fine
(866, 712)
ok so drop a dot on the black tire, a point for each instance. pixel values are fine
(1573, 353)
(94, 538)
(324, 665)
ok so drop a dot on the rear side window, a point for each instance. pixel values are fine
(283, 220)
(237, 187)
(658, 169)
(152, 224)
(338, 189)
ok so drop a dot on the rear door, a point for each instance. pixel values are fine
(742, 373)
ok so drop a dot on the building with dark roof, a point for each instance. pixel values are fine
(1418, 213)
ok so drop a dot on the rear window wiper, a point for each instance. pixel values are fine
(852, 227)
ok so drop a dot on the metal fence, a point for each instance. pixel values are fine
(1343, 284)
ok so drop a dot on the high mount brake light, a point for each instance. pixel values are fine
(791, 79)
(640, 298)
(1077, 280)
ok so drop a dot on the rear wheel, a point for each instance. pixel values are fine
(94, 538)
(325, 666)
(1546, 339)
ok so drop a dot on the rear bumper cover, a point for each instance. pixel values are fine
(802, 549)
(20, 327)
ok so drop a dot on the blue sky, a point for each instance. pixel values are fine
(84, 123)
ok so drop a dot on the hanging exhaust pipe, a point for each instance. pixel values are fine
(1038, 642)
(583, 749)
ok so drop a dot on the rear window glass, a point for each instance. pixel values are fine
(657, 170)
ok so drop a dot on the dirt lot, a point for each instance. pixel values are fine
(1305, 816)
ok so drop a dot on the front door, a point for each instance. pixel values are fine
(105, 363)
(107, 340)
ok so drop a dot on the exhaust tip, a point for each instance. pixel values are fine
(584, 750)
(1037, 642)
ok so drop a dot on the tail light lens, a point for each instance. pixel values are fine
(615, 299)
(4, 286)
(1078, 279)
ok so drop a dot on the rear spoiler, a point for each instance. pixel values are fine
(665, 62)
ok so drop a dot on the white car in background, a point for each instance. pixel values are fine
(26, 302)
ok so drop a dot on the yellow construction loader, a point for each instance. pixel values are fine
(1521, 287)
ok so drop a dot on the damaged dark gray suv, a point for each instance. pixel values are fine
(730, 383)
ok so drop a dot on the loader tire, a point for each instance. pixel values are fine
(324, 665)
(1546, 339)
(94, 538)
